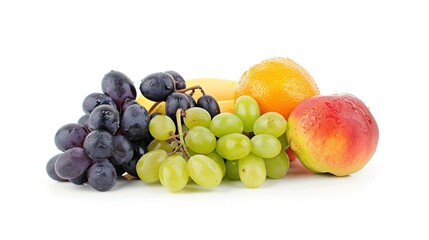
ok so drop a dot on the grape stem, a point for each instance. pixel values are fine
(182, 145)
(193, 88)
(175, 139)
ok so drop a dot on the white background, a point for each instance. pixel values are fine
(54, 53)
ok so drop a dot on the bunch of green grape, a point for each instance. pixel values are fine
(243, 145)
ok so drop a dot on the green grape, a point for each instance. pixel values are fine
(173, 173)
(161, 127)
(200, 140)
(219, 160)
(226, 123)
(164, 145)
(265, 146)
(204, 171)
(247, 109)
(283, 141)
(197, 116)
(278, 166)
(148, 165)
(252, 171)
(232, 170)
(271, 123)
(233, 146)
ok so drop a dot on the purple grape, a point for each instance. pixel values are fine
(98, 145)
(191, 99)
(70, 135)
(157, 86)
(128, 102)
(119, 87)
(119, 169)
(210, 104)
(81, 179)
(139, 148)
(72, 163)
(123, 151)
(175, 101)
(134, 122)
(50, 169)
(147, 138)
(178, 80)
(94, 100)
(130, 167)
(84, 121)
(102, 176)
(104, 117)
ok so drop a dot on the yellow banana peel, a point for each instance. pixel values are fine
(226, 106)
(160, 108)
(220, 89)
(146, 103)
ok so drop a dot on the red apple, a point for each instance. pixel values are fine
(334, 134)
(291, 154)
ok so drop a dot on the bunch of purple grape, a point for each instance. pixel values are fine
(110, 138)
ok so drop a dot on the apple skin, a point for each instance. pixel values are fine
(334, 134)
(290, 154)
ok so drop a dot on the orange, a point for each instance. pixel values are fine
(277, 84)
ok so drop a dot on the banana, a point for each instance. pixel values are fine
(146, 103)
(160, 108)
(226, 106)
(221, 89)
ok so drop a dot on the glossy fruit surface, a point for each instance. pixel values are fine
(157, 86)
(118, 86)
(333, 134)
(204, 171)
